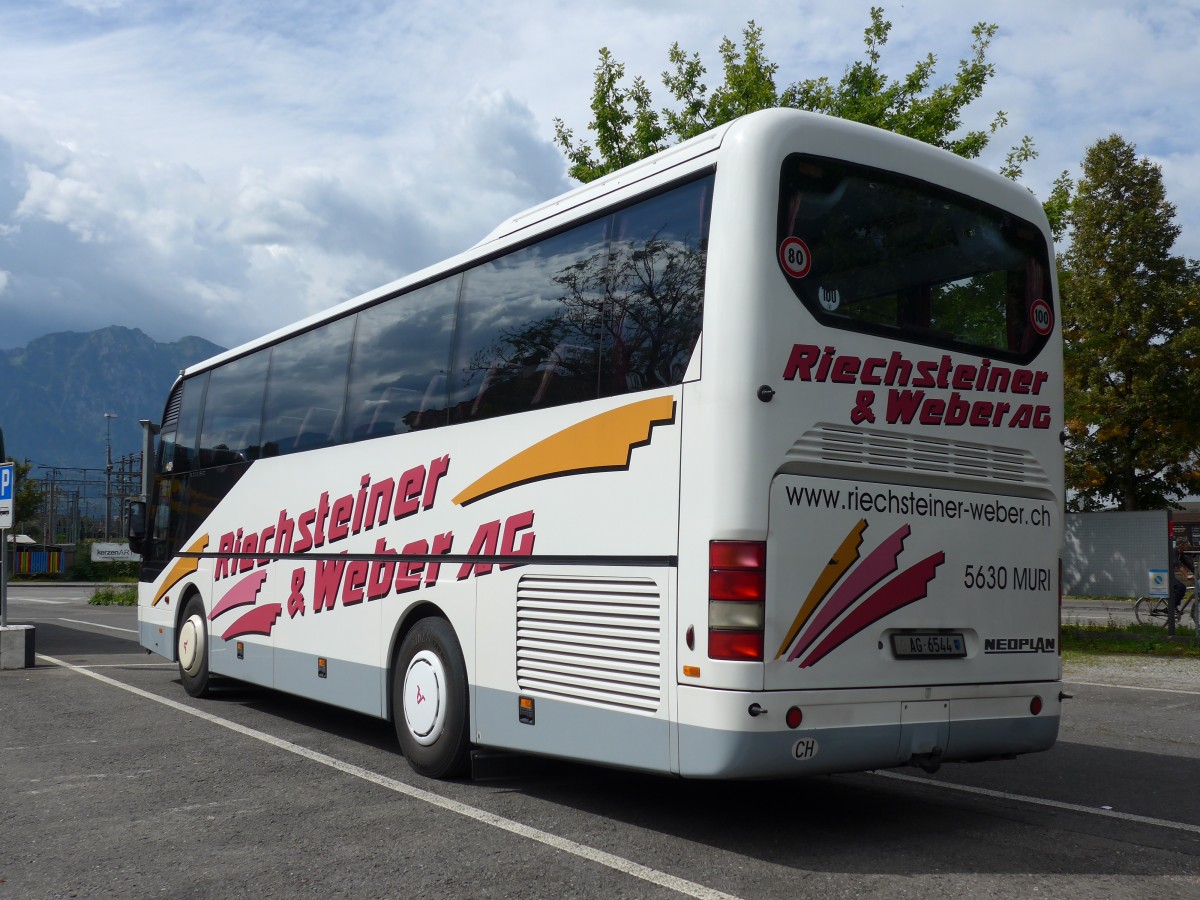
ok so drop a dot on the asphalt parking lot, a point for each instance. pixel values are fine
(116, 783)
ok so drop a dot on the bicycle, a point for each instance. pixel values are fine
(1148, 609)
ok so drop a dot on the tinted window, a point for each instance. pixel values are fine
(307, 390)
(233, 411)
(401, 356)
(177, 442)
(874, 251)
(529, 326)
(653, 309)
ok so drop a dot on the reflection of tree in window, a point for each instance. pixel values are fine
(652, 314)
(599, 320)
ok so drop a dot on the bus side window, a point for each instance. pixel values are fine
(232, 421)
(528, 326)
(401, 350)
(654, 308)
(306, 389)
(178, 452)
(566, 375)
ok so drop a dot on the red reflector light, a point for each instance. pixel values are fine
(737, 554)
(738, 645)
(793, 717)
(737, 585)
(1035, 705)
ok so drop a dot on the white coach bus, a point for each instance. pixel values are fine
(743, 461)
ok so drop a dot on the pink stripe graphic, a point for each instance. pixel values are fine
(258, 621)
(908, 587)
(241, 594)
(879, 564)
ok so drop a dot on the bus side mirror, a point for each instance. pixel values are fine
(136, 524)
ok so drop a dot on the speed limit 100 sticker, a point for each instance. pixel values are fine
(794, 257)
(1041, 317)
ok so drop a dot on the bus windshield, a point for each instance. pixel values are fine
(878, 252)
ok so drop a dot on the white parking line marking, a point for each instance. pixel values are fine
(618, 863)
(98, 625)
(39, 600)
(1039, 801)
(1132, 687)
(131, 666)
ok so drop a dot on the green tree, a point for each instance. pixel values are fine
(1130, 323)
(626, 127)
(27, 493)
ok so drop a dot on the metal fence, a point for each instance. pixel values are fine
(1115, 554)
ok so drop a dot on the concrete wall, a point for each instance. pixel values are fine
(1110, 554)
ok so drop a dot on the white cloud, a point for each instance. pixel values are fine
(225, 169)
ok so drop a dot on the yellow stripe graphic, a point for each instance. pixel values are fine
(843, 558)
(601, 443)
(182, 569)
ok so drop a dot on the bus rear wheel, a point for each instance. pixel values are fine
(191, 648)
(430, 700)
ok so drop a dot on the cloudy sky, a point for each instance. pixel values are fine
(224, 167)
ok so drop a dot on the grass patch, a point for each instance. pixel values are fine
(114, 595)
(1131, 639)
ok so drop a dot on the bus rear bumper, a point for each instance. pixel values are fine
(848, 731)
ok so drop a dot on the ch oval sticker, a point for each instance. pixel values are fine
(805, 748)
(794, 257)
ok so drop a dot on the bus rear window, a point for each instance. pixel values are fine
(878, 252)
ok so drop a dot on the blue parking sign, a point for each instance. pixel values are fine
(7, 478)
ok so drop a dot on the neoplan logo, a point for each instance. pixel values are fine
(1020, 645)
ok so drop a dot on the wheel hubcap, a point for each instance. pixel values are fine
(191, 645)
(424, 701)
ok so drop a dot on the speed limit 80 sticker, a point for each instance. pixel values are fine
(794, 257)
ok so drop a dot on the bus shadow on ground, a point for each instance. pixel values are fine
(859, 823)
(867, 824)
(330, 720)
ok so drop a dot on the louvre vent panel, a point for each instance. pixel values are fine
(598, 614)
(601, 667)
(586, 647)
(626, 686)
(171, 414)
(606, 698)
(850, 446)
(589, 640)
(579, 640)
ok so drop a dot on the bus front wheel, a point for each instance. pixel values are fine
(430, 700)
(192, 649)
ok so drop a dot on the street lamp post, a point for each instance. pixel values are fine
(108, 417)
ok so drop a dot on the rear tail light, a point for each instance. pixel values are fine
(737, 590)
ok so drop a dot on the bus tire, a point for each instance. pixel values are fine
(191, 648)
(430, 701)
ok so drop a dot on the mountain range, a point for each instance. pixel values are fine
(55, 393)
